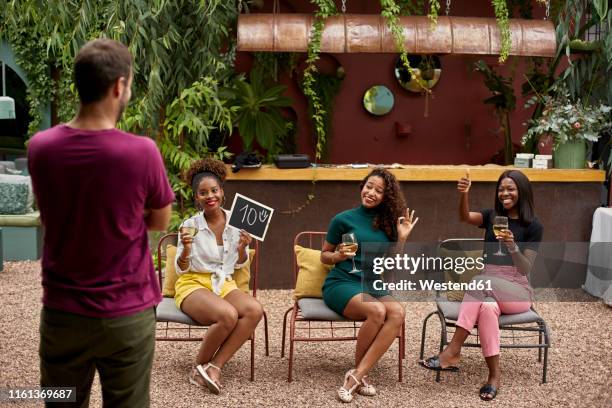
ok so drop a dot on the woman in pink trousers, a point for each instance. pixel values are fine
(506, 267)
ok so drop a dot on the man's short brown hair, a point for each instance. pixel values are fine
(98, 65)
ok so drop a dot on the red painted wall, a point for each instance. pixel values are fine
(460, 128)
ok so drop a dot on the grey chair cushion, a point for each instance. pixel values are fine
(167, 311)
(316, 309)
(451, 312)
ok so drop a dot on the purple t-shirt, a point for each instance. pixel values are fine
(92, 188)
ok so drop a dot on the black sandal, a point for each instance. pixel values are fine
(488, 389)
(433, 363)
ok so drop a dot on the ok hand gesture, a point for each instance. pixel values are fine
(405, 224)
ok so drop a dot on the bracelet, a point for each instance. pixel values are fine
(183, 258)
(514, 249)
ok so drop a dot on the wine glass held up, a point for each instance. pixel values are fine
(500, 226)
(350, 246)
(187, 235)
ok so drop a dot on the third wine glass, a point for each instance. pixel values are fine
(350, 244)
(500, 225)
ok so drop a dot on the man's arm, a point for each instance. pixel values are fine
(158, 220)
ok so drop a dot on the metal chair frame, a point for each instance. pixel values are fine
(539, 326)
(195, 333)
(296, 319)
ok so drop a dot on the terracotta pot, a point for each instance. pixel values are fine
(545, 144)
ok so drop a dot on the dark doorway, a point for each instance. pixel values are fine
(14, 132)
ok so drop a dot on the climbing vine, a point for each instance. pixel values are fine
(391, 11)
(501, 15)
(326, 8)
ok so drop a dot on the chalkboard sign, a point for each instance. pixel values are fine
(251, 216)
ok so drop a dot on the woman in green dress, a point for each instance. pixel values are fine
(382, 217)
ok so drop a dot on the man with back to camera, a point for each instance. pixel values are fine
(98, 190)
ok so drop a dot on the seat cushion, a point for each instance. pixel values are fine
(31, 219)
(242, 276)
(19, 180)
(316, 309)
(167, 311)
(460, 275)
(451, 312)
(311, 273)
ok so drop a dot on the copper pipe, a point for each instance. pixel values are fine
(351, 33)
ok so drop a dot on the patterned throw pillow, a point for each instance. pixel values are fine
(13, 198)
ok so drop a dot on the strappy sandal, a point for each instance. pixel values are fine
(366, 389)
(347, 395)
(433, 363)
(208, 381)
(489, 389)
(195, 378)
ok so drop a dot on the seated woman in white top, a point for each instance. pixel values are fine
(205, 289)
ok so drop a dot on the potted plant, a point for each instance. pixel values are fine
(572, 125)
(259, 112)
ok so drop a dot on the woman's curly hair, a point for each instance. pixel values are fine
(207, 165)
(392, 206)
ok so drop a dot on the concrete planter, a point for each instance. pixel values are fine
(571, 155)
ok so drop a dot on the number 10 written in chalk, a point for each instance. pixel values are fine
(251, 216)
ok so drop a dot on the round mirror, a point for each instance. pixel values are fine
(428, 68)
(378, 100)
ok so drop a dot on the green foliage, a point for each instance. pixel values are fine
(503, 100)
(258, 110)
(196, 112)
(172, 48)
(273, 63)
(434, 9)
(588, 77)
(503, 93)
(569, 121)
(411, 7)
(326, 8)
(183, 55)
(326, 87)
(501, 15)
(390, 11)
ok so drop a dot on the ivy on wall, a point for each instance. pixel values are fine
(326, 8)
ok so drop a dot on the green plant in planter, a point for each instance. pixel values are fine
(572, 126)
(503, 100)
(259, 114)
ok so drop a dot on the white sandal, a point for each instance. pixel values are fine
(209, 382)
(347, 395)
(366, 389)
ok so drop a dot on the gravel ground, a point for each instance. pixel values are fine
(580, 361)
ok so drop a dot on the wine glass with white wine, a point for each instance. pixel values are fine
(350, 244)
(188, 230)
(500, 225)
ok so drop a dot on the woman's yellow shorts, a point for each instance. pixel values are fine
(190, 281)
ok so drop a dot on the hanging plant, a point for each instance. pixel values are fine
(327, 87)
(434, 9)
(326, 8)
(501, 15)
(391, 11)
